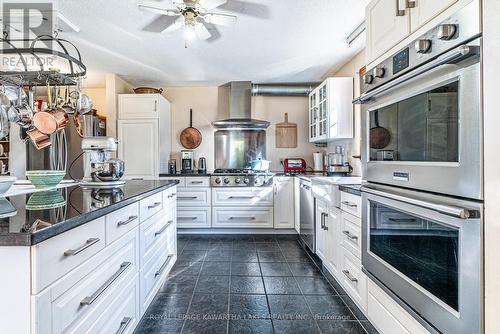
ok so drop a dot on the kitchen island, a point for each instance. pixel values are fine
(85, 260)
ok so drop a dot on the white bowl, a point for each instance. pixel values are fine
(5, 183)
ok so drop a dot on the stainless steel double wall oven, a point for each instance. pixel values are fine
(422, 205)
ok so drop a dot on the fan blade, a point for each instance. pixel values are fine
(202, 32)
(155, 7)
(220, 19)
(175, 26)
(208, 5)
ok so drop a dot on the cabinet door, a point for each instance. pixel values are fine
(313, 115)
(138, 148)
(323, 107)
(283, 197)
(333, 247)
(385, 27)
(133, 106)
(425, 10)
(321, 211)
(296, 200)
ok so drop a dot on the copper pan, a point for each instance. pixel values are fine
(40, 140)
(45, 122)
(61, 118)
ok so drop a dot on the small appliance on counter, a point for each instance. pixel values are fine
(318, 160)
(202, 165)
(337, 166)
(172, 167)
(99, 169)
(294, 165)
(187, 162)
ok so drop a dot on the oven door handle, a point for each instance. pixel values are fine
(449, 210)
(456, 55)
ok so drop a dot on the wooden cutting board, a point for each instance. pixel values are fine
(286, 134)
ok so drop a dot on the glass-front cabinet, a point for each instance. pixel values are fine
(331, 110)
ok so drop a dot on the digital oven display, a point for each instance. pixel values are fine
(401, 61)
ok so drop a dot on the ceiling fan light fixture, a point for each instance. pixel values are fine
(189, 32)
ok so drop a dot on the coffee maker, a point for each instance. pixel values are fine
(187, 162)
(99, 169)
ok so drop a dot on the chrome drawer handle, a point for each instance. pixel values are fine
(402, 220)
(242, 197)
(324, 215)
(350, 236)
(349, 204)
(88, 243)
(123, 325)
(241, 218)
(128, 221)
(349, 276)
(196, 182)
(154, 205)
(172, 195)
(160, 231)
(187, 218)
(186, 198)
(92, 298)
(158, 273)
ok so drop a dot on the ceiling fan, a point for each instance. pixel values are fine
(192, 15)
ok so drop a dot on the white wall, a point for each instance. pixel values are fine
(353, 146)
(204, 101)
(114, 86)
(491, 52)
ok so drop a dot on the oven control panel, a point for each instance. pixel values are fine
(458, 29)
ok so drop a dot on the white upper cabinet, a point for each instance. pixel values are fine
(425, 10)
(138, 106)
(387, 23)
(331, 110)
(390, 22)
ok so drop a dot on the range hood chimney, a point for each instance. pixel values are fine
(235, 99)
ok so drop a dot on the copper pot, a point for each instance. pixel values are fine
(148, 90)
(50, 122)
(61, 118)
(40, 140)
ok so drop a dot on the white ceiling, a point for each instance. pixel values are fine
(283, 41)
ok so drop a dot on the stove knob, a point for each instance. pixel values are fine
(446, 31)
(378, 72)
(218, 180)
(423, 45)
(237, 180)
(246, 180)
(226, 180)
(367, 79)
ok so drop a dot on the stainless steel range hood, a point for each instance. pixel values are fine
(235, 100)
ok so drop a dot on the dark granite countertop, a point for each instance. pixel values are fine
(29, 219)
(354, 189)
(185, 174)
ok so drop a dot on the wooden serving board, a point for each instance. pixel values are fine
(286, 134)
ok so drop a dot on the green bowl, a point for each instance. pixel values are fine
(43, 179)
(50, 199)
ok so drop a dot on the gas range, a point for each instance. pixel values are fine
(240, 178)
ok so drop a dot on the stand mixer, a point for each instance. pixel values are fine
(99, 169)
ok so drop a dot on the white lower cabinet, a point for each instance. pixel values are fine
(353, 279)
(284, 217)
(242, 217)
(80, 285)
(194, 217)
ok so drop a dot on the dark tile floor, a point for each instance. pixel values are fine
(250, 284)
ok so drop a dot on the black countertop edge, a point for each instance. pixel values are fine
(354, 189)
(30, 239)
(186, 175)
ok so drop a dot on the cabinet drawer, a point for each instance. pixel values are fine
(193, 197)
(351, 234)
(197, 181)
(387, 316)
(153, 274)
(194, 217)
(170, 197)
(153, 233)
(123, 315)
(353, 279)
(242, 197)
(133, 106)
(242, 217)
(121, 221)
(350, 203)
(180, 179)
(150, 205)
(80, 305)
(57, 256)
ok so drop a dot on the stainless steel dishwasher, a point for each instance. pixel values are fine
(307, 217)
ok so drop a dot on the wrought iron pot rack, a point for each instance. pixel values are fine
(44, 75)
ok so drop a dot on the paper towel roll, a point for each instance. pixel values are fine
(318, 161)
